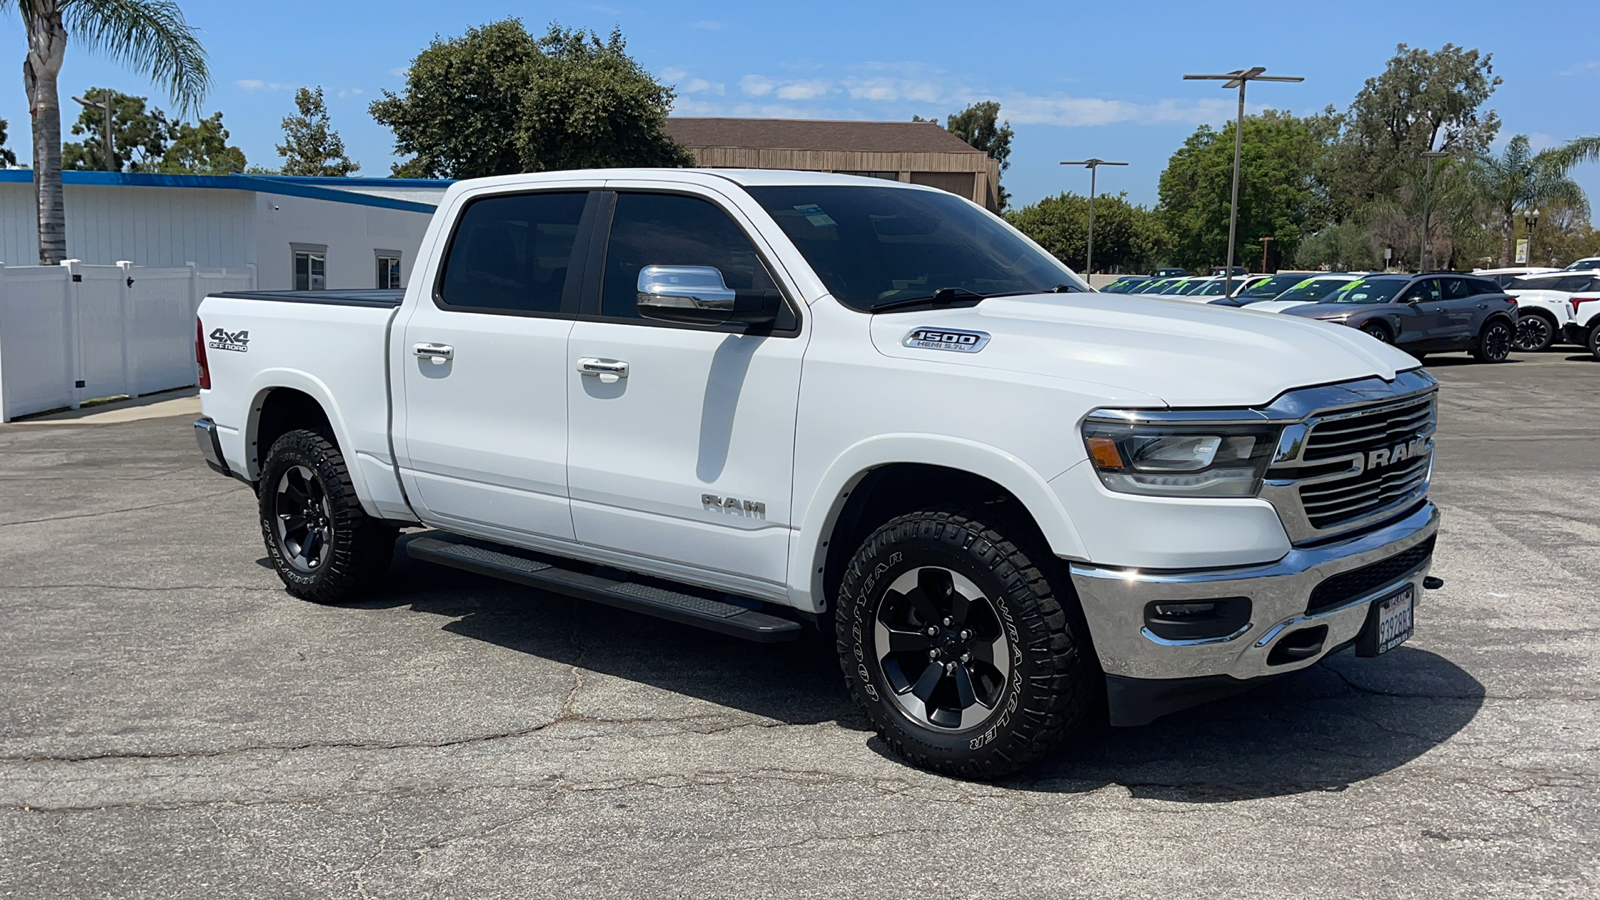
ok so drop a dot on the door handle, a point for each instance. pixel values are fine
(609, 371)
(439, 354)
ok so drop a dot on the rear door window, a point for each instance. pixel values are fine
(512, 254)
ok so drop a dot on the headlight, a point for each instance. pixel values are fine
(1180, 460)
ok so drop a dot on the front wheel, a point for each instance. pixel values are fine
(1594, 341)
(1494, 342)
(1374, 330)
(958, 648)
(1535, 333)
(323, 546)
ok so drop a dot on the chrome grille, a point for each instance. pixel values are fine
(1365, 431)
(1331, 503)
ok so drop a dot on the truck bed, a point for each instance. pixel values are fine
(382, 299)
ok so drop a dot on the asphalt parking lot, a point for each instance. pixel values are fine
(172, 724)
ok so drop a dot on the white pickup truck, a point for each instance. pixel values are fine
(760, 401)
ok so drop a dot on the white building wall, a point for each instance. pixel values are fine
(352, 233)
(152, 226)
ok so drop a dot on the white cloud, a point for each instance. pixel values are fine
(711, 25)
(756, 85)
(803, 90)
(1582, 68)
(673, 74)
(400, 71)
(700, 85)
(256, 84)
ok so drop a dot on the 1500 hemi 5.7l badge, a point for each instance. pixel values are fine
(952, 339)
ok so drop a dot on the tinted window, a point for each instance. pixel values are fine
(1271, 287)
(1568, 283)
(1458, 288)
(1424, 291)
(673, 230)
(874, 245)
(512, 253)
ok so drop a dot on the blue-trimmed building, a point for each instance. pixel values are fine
(299, 233)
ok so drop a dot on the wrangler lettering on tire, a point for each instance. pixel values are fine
(953, 640)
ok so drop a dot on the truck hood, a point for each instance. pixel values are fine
(1186, 354)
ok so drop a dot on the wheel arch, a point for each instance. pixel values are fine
(886, 476)
(285, 400)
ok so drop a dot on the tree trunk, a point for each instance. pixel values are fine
(47, 46)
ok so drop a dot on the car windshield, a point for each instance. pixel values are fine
(1209, 289)
(1187, 286)
(877, 245)
(1124, 285)
(1571, 284)
(1593, 263)
(1312, 289)
(1366, 291)
(1271, 287)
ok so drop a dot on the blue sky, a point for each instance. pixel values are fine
(1074, 79)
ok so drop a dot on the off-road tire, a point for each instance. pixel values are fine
(1051, 689)
(359, 547)
(1494, 342)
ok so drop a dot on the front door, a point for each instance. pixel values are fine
(1422, 319)
(484, 369)
(681, 439)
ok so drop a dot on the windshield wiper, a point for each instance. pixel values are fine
(942, 297)
(1058, 289)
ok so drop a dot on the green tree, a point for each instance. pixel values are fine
(149, 36)
(497, 101)
(1126, 237)
(7, 158)
(980, 126)
(1281, 190)
(202, 149)
(139, 135)
(1423, 101)
(310, 145)
(1517, 178)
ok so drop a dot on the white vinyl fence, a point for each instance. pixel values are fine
(72, 332)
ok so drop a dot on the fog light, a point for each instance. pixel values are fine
(1197, 620)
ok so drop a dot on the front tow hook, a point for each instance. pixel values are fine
(1432, 582)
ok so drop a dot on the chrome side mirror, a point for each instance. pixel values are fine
(697, 295)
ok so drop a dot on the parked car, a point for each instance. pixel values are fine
(1209, 289)
(1170, 272)
(1504, 277)
(1588, 262)
(1424, 314)
(758, 401)
(1128, 284)
(1306, 292)
(1583, 328)
(1238, 271)
(1263, 289)
(1544, 305)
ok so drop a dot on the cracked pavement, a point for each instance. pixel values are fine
(172, 724)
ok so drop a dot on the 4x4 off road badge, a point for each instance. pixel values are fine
(237, 341)
(952, 339)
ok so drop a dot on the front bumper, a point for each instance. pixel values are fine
(1114, 602)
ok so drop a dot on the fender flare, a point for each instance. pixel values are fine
(268, 380)
(808, 549)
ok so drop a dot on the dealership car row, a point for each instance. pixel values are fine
(1488, 313)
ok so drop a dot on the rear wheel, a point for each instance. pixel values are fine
(324, 547)
(1594, 341)
(954, 642)
(1535, 333)
(1494, 342)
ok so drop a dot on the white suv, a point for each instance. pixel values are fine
(1544, 305)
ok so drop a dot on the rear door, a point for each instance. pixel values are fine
(483, 375)
(681, 444)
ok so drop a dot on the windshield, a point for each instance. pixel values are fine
(1177, 286)
(877, 245)
(1124, 285)
(1592, 262)
(1272, 287)
(1312, 289)
(1365, 291)
(1569, 283)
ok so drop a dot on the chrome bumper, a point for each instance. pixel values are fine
(1114, 601)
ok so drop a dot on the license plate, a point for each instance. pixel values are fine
(1394, 619)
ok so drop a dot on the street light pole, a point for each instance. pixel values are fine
(1238, 80)
(1093, 165)
(1427, 197)
(104, 103)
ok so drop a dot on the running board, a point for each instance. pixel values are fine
(675, 606)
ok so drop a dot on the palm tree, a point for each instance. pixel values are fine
(1520, 178)
(149, 36)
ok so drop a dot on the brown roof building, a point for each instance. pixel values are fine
(912, 152)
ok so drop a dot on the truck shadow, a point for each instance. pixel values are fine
(1324, 729)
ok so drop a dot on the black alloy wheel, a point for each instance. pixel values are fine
(1534, 333)
(1494, 342)
(302, 519)
(942, 650)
